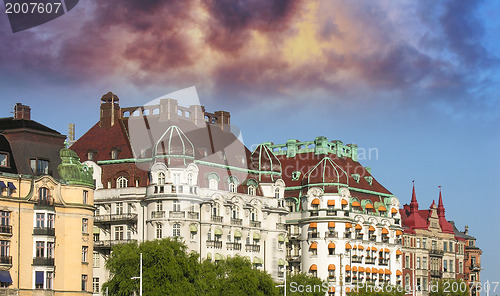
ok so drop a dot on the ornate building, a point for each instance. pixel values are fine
(46, 210)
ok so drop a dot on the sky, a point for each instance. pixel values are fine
(414, 82)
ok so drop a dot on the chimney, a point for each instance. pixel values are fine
(466, 229)
(110, 110)
(22, 112)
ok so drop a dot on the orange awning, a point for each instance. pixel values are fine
(347, 289)
(331, 224)
(368, 270)
(313, 246)
(331, 246)
(344, 202)
(354, 269)
(331, 267)
(368, 206)
(385, 231)
(381, 271)
(348, 225)
(348, 246)
(354, 247)
(399, 232)
(347, 268)
(387, 271)
(359, 227)
(315, 201)
(374, 249)
(332, 289)
(331, 202)
(313, 225)
(394, 211)
(382, 209)
(387, 250)
(371, 228)
(361, 269)
(360, 247)
(374, 270)
(356, 204)
(398, 272)
(313, 267)
(398, 252)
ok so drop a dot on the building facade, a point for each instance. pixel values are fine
(46, 209)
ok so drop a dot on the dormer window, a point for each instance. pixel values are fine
(121, 182)
(39, 166)
(277, 193)
(91, 155)
(114, 153)
(355, 177)
(232, 187)
(369, 180)
(161, 178)
(4, 160)
(251, 190)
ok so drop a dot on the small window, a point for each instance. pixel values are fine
(95, 285)
(96, 259)
(90, 155)
(190, 179)
(121, 182)
(251, 190)
(85, 197)
(176, 206)
(232, 187)
(277, 193)
(161, 178)
(4, 160)
(84, 282)
(159, 230)
(213, 184)
(177, 230)
(85, 252)
(114, 154)
(85, 225)
(39, 166)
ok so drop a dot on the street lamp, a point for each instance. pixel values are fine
(139, 277)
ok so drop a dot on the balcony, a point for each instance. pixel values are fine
(252, 248)
(436, 253)
(331, 234)
(43, 261)
(346, 213)
(45, 202)
(115, 218)
(436, 273)
(217, 219)
(5, 229)
(331, 278)
(373, 238)
(214, 244)
(383, 261)
(157, 214)
(314, 213)
(107, 244)
(281, 274)
(293, 258)
(313, 235)
(10, 292)
(359, 236)
(6, 260)
(398, 241)
(348, 234)
(255, 223)
(357, 259)
(331, 213)
(233, 246)
(194, 215)
(44, 231)
(280, 226)
(370, 260)
(475, 267)
(236, 221)
(177, 214)
(385, 239)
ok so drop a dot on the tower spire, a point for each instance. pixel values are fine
(414, 203)
(440, 204)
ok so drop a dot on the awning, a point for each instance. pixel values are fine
(348, 246)
(358, 227)
(348, 225)
(38, 277)
(382, 209)
(398, 272)
(256, 235)
(385, 231)
(368, 206)
(347, 268)
(281, 262)
(361, 269)
(360, 247)
(374, 270)
(354, 247)
(331, 246)
(218, 257)
(313, 246)
(354, 269)
(368, 270)
(387, 271)
(315, 201)
(5, 276)
(371, 228)
(11, 185)
(331, 267)
(313, 225)
(394, 211)
(331, 224)
(399, 232)
(356, 204)
(398, 252)
(194, 228)
(387, 250)
(381, 271)
(2, 184)
(257, 260)
(344, 202)
(347, 289)
(374, 249)
(95, 230)
(313, 267)
(281, 238)
(332, 289)
(237, 233)
(331, 202)
(218, 231)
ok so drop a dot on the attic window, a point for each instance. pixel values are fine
(295, 176)
(91, 155)
(355, 177)
(114, 153)
(4, 160)
(369, 180)
(39, 166)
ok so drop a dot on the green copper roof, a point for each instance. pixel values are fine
(73, 171)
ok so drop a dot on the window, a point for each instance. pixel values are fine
(85, 252)
(407, 261)
(95, 285)
(232, 187)
(418, 243)
(4, 248)
(445, 246)
(39, 279)
(40, 220)
(121, 182)
(50, 249)
(40, 249)
(177, 230)
(43, 196)
(236, 212)
(4, 218)
(177, 179)
(96, 260)
(161, 178)
(119, 208)
(50, 220)
(460, 267)
(84, 282)
(253, 215)
(159, 206)
(434, 245)
(213, 184)
(215, 210)
(39, 166)
(251, 190)
(85, 225)
(85, 197)
(4, 160)
(451, 265)
(450, 246)
(424, 243)
(424, 284)
(176, 206)
(119, 232)
(96, 237)
(277, 193)
(445, 265)
(418, 263)
(159, 230)
(424, 262)
(190, 179)
(90, 155)
(49, 280)
(114, 154)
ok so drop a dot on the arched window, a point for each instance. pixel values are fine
(236, 212)
(253, 215)
(251, 190)
(43, 196)
(232, 187)
(121, 182)
(161, 178)
(190, 179)
(159, 230)
(277, 193)
(215, 210)
(213, 184)
(177, 230)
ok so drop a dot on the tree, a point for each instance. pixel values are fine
(305, 285)
(449, 287)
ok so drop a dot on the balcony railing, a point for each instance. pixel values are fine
(157, 214)
(280, 226)
(177, 214)
(236, 221)
(252, 248)
(255, 223)
(6, 260)
(233, 246)
(106, 244)
(346, 213)
(9, 292)
(383, 261)
(47, 201)
(347, 234)
(6, 229)
(43, 261)
(434, 252)
(436, 273)
(110, 218)
(331, 213)
(44, 231)
(373, 238)
(281, 274)
(218, 219)
(193, 215)
(398, 241)
(331, 234)
(314, 213)
(385, 239)
(293, 258)
(214, 244)
(357, 259)
(313, 235)
(370, 260)
(359, 236)
(475, 267)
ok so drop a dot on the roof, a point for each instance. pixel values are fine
(11, 163)
(459, 233)
(9, 123)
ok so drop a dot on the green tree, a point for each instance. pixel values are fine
(305, 285)
(449, 287)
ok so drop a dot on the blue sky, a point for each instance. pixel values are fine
(417, 81)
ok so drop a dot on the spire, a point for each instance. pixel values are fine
(414, 203)
(440, 204)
